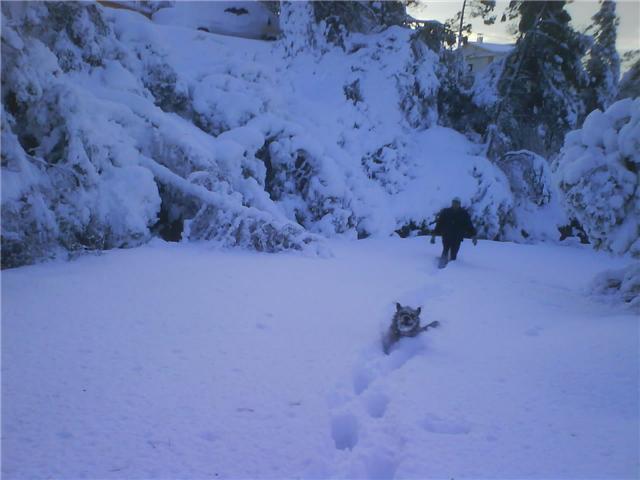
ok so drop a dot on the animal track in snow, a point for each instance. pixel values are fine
(344, 431)
(376, 404)
(381, 465)
(362, 378)
(406, 349)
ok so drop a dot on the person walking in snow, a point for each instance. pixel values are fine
(453, 224)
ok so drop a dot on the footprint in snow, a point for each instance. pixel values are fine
(381, 464)
(362, 377)
(344, 431)
(376, 404)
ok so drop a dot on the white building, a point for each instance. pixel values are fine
(479, 55)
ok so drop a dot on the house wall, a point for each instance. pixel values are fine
(478, 59)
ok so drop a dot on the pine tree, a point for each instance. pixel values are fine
(343, 18)
(474, 9)
(603, 65)
(542, 83)
(629, 86)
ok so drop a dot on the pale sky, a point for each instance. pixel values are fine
(580, 11)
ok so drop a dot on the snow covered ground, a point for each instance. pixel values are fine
(178, 361)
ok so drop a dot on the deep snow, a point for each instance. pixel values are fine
(179, 361)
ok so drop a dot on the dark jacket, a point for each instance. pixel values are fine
(455, 224)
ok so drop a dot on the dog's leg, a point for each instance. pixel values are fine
(433, 324)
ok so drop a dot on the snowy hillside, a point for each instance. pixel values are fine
(178, 361)
(116, 128)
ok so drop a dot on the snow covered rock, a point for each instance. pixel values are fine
(599, 172)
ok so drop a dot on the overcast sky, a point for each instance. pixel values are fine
(581, 12)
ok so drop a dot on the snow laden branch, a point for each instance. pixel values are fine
(599, 172)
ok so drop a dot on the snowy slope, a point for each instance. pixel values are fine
(178, 361)
(116, 129)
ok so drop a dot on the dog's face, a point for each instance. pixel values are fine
(407, 319)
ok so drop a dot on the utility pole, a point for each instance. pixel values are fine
(464, 4)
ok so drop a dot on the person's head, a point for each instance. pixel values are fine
(456, 203)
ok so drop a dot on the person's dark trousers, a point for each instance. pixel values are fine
(450, 247)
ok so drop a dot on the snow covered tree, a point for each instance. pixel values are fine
(629, 86)
(603, 65)
(599, 171)
(85, 171)
(298, 27)
(541, 87)
(339, 19)
(471, 9)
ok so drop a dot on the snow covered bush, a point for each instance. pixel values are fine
(537, 213)
(87, 155)
(619, 285)
(491, 203)
(599, 171)
(68, 180)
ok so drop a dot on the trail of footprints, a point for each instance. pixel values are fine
(380, 462)
(374, 401)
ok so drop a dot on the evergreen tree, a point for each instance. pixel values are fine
(603, 65)
(471, 9)
(541, 87)
(629, 86)
(343, 18)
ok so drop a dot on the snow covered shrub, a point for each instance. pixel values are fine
(338, 19)
(491, 204)
(86, 154)
(418, 85)
(170, 93)
(529, 176)
(76, 33)
(257, 232)
(222, 101)
(619, 285)
(599, 172)
(308, 187)
(64, 168)
(297, 26)
(536, 214)
(148, 7)
(388, 166)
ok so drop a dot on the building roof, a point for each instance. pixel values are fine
(503, 48)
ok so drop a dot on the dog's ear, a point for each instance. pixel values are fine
(398, 307)
(419, 310)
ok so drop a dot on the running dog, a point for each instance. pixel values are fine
(405, 323)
